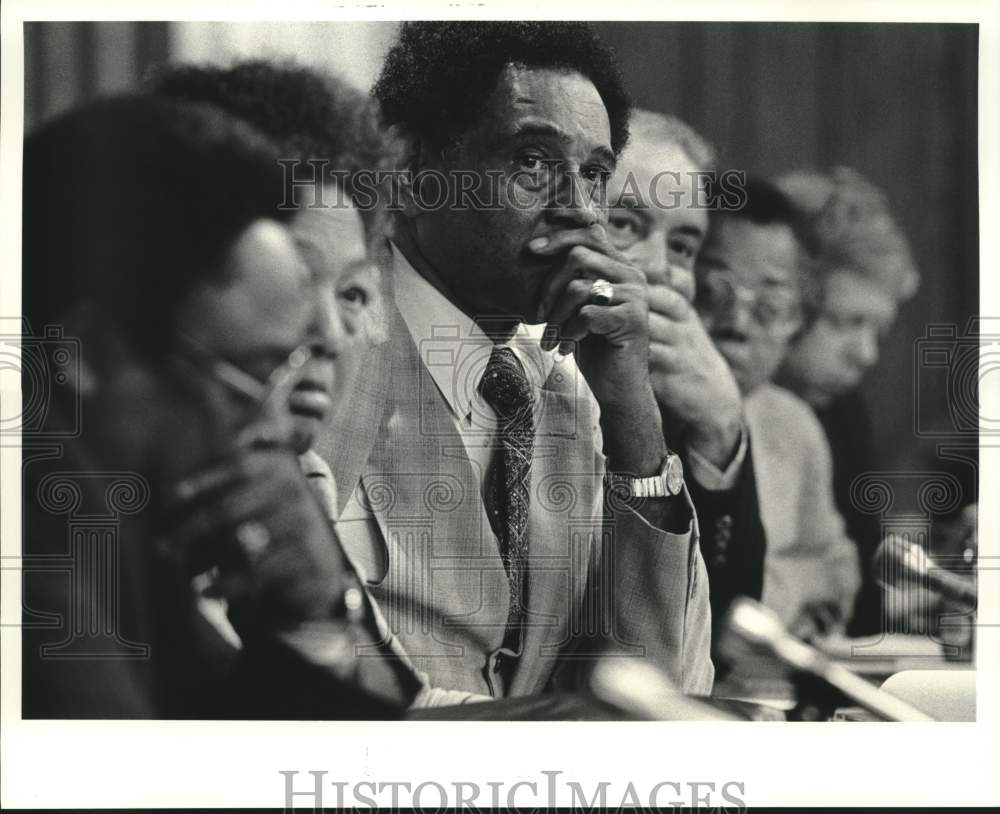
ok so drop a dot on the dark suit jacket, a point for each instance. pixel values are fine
(110, 630)
(852, 443)
(732, 538)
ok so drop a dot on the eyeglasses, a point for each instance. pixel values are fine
(273, 392)
(716, 292)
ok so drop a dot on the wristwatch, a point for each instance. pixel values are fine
(666, 483)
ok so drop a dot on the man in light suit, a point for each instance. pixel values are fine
(503, 478)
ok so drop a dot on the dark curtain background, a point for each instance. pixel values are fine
(898, 102)
(68, 62)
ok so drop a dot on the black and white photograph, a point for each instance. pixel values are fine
(472, 406)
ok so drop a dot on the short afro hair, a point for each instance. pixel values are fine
(765, 204)
(438, 75)
(130, 202)
(307, 114)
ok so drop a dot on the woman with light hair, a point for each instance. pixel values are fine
(864, 269)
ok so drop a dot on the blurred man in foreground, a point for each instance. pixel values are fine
(152, 233)
(751, 287)
(658, 217)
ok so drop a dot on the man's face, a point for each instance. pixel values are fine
(748, 295)
(252, 319)
(259, 312)
(332, 243)
(655, 216)
(831, 358)
(166, 417)
(543, 144)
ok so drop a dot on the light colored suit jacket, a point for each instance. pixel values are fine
(411, 516)
(809, 559)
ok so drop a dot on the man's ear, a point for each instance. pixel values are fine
(414, 159)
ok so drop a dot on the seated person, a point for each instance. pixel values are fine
(152, 233)
(330, 124)
(659, 218)
(474, 492)
(750, 295)
(865, 270)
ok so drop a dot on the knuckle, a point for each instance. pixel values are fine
(635, 276)
(597, 231)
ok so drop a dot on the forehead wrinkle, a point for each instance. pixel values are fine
(539, 127)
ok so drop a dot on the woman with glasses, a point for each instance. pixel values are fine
(752, 298)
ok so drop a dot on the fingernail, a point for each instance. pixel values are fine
(538, 243)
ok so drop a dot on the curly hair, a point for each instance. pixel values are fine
(307, 114)
(852, 225)
(437, 77)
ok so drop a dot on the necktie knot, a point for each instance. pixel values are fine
(505, 387)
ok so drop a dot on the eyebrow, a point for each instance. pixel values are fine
(362, 264)
(536, 128)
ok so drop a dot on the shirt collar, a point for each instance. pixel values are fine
(450, 343)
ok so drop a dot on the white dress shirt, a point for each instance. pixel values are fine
(455, 351)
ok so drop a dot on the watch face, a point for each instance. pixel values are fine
(674, 472)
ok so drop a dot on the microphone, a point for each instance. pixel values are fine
(749, 622)
(904, 561)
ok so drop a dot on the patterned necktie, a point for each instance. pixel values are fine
(505, 388)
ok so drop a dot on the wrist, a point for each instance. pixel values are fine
(633, 435)
(718, 441)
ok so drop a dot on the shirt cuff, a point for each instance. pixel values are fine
(709, 476)
(439, 697)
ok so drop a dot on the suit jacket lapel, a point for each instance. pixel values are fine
(347, 441)
(399, 440)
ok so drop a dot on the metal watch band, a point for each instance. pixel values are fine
(667, 483)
